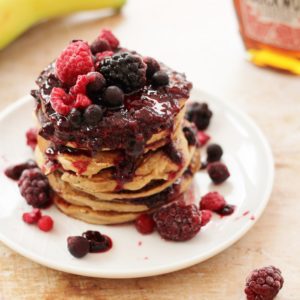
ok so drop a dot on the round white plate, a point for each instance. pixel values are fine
(247, 156)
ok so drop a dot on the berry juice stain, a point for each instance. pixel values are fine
(246, 213)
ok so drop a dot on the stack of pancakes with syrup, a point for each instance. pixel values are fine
(137, 159)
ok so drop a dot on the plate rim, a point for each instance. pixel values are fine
(183, 263)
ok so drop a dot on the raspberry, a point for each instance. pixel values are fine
(264, 283)
(218, 172)
(15, 172)
(125, 70)
(97, 242)
(205, 216)
(35, 188)
(45, 223)
(31, 137)
(78, 246)
(200, 114)
(82, 101)
(75, 60)
(60, 101)
(203, 138)
(144, 224)
(100, 45)
(178, 222)
(32, 217)
(214, 152)
(212, 201)
(109, 37)
(152, 66)
(160, 78)
(100, 56)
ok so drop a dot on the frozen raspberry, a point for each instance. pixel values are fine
(78, 246)
(31, 137)
(178, 222)
(144, 224)
(214, 152)
(75, 60)
(200, 114)
(91, 82)
(212, 201)
(45, 223)
(203, 138)
(160, 78)
(82, 101)
(205, 216)
(32, 217)
(125, 70)
(97, 242)
(218, 172)
(15, 172)
(109, 37)
(100, 45)
(60, 101)
(152, 66)
(35, 188)
(101, 55)
(264, 283)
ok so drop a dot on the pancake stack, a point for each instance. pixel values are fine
(139, 157)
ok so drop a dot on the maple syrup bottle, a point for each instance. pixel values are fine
(271, 32)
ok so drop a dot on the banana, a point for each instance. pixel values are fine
(16, 16)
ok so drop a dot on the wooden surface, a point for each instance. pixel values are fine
(200, 38)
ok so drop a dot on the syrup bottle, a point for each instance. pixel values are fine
(271, 32)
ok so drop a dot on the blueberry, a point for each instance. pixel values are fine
(93, 114)
(214, 152)
(97, 84)
(78, 246)
(160, 78)
(74, 117)
(100, 45)
(113, 97)
(152, 66)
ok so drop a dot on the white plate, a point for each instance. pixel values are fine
(247, 155)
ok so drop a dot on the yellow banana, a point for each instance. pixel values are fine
(16, 16)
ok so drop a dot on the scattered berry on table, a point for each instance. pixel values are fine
(227, 210)
(218, 172)
(15, 172)
(160, 78)
(178, 222)
(113, 97)
(203, 138)
(31, 137)
(213, 201)
(205, 216)
(145, 224)
(125, 70)
(78, 246)
(200, 114)
(45, 223)
(264, 283)
(32, 217)
(97, 242)
(75, 59)
(214, 152)
(35, 188)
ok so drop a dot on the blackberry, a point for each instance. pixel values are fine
(218, 172)
(200, 114)
(124, 70)
(214, 152)
(35, 188)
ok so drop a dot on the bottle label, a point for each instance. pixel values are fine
(272, 22)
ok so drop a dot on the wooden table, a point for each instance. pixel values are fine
(201, 38)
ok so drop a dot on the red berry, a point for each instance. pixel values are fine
(203, 138)
(75, 59)
(60, 101)
(218, 172)
(178, 222)
(15, 172)
(109, 37)
(78, 246)
(144, 224)
(101, 55)
(212, 201)
(45, 223)
(205, 216)
(100, 45)
(31, 137)
(264, 284)
(32, 217)
(82, 101)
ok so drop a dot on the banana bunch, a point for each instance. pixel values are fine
(16, 16)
